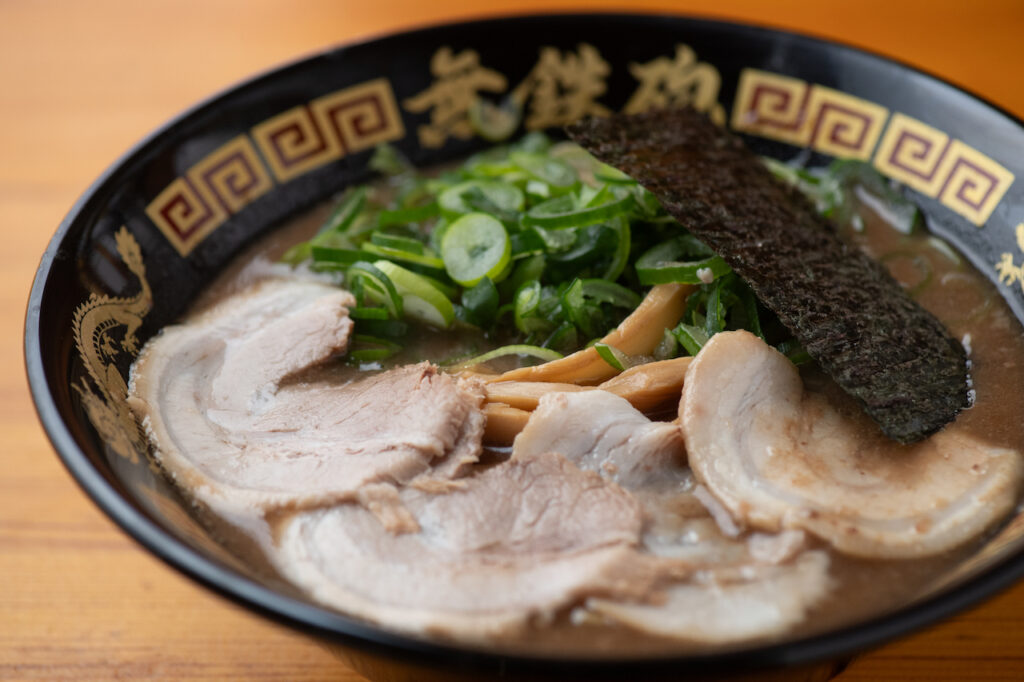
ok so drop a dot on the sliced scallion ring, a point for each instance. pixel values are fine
(475, 246)
(562, 211)
(504, 196)
(376, 341)
(606, 173)
(404, 216)
(377, 285)
(363, 313)
(613, 356)
(394, 241)
(662, 264)
(557, 174)
(525, 306)
(382, 328)
(345, 213)
(330, 254)
(426, 260)
(609, 292)
(620, 258)
(689, 337)
(421, 300)
(545, 354)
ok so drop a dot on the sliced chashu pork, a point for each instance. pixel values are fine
(778, 456)
(602, 432)
(741, 587)
(209, 395)
(512, 544)
(755, 600)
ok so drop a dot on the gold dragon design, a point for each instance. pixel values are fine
(104, 328)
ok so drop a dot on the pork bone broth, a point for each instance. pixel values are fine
(592, 534)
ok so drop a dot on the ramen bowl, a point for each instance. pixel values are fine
(156, 228)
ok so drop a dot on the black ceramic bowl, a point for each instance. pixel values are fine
(146, 238)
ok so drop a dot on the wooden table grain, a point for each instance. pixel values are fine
(82, 81)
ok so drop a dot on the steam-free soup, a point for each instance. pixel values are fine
(644, 558)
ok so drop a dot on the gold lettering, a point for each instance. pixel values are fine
(564, 88)
(458, 79)
(677, 82)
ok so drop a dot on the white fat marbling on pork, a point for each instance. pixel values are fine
(602, 432)
(511, 545)
(779, 457)
(741, 587)
(209, 395)
(756, 600)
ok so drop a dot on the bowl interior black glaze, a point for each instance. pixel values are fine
(147, 237)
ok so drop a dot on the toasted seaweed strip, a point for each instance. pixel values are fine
(850, 315)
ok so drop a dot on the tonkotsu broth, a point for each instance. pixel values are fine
(959, 296)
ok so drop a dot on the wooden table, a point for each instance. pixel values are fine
(82, 81)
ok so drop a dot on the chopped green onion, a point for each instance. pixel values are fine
(339, 220)
(752, 321)
(564, 338)
(537, 190)
(454, 201)
(590, 245)
(329, 254)
(421, 299)
(405, 216)
(526, 303)
(387, 160)
(376, 285)
(585, 315)
(715, 309)
(527, 269)
(554, 240)
(545, 354)
(426, 260)
(376, 341)
(395, 241)
(526, 243)
(475, 246)
(363, 313)
(480, 303)
(620, 257)
(795, 352)
(613, 175)
(613, 356)
(689, 337)
(667, 348)
(297, 253)
(610, 292)
(562, 211)
(647, 205)
(534, 142)
(345, 213)
(555, 173)
(446, 288)
(661, 264)
(387, 328)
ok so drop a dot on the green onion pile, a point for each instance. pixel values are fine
(536, 244)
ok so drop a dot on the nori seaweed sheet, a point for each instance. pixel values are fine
(851, 316)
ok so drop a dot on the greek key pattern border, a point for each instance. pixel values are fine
(277, 150)
(928, 160)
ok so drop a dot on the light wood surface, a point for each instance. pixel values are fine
(82, 81)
